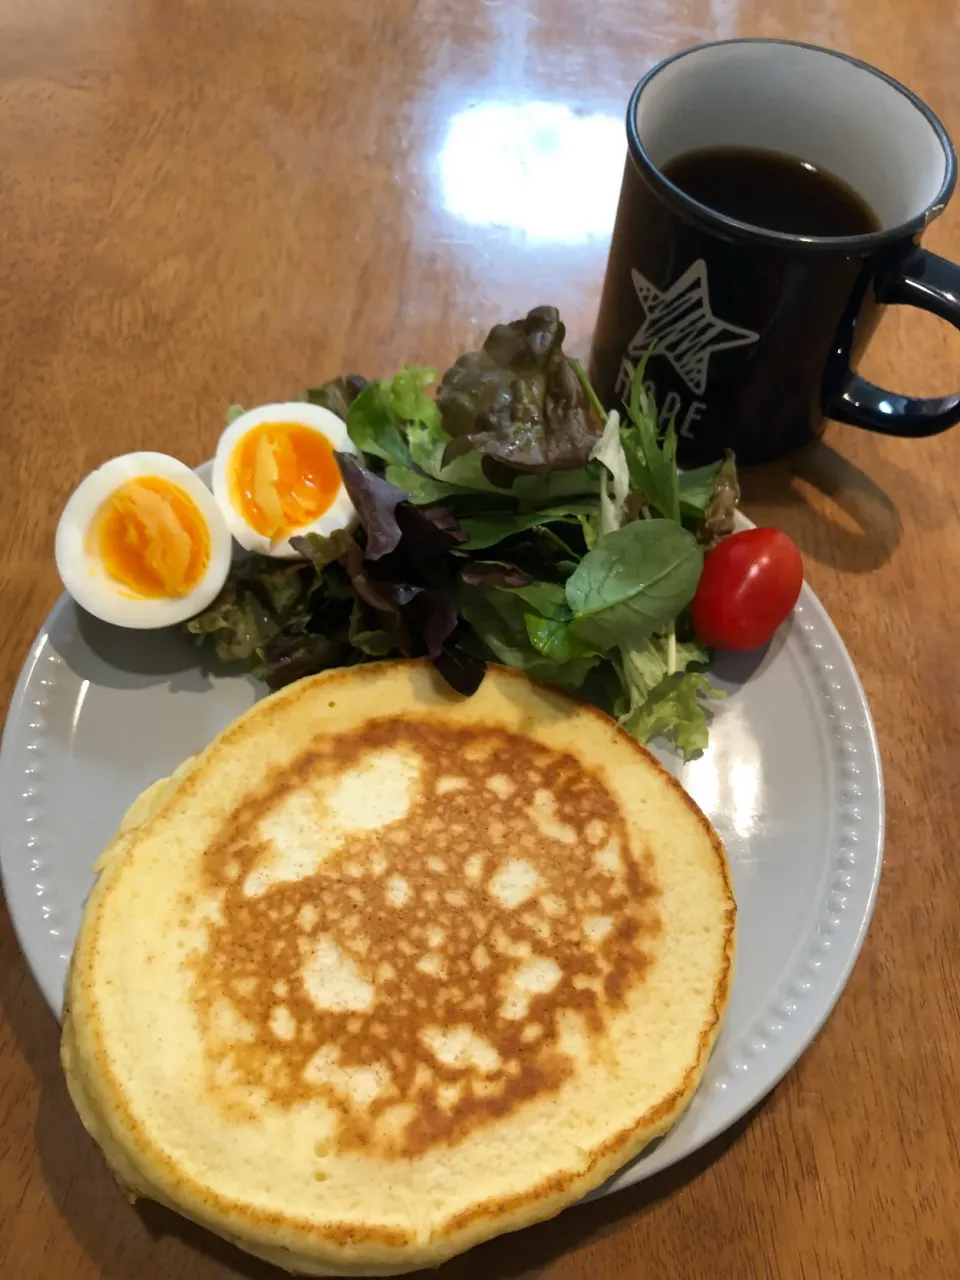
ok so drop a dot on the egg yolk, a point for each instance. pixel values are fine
(282, 476)
(151, 538)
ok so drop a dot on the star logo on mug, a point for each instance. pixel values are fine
(680, 325)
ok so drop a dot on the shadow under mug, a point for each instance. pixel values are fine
(754, 335)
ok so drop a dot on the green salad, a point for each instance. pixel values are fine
(506, 518)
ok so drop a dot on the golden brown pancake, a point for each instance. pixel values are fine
(385, 972)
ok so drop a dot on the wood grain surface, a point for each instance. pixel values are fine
(202, 202)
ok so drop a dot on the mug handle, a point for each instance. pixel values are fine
(931, 283)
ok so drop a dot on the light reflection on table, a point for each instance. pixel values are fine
(538, 168)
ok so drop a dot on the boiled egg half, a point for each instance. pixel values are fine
(275, 476)
(141, 542)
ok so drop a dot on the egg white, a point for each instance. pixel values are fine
(83, 573)
(339, 515)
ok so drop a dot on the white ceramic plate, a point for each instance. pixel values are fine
(791, 780)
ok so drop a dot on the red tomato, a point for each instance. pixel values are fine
(749, 584)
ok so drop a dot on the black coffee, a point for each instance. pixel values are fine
(772, 190)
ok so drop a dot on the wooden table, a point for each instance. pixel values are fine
(205, 202)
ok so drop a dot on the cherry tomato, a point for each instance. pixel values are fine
(749, 584)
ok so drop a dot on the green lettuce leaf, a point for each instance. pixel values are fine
(284, 590)
(673, 710)
(665, 703)
(407, 395)
(373, 427)
(384, 413)
(237, 624)
(279, 620)
(262, 599)
(364, 634)
(397, 421)
(652, 461)
(644, 664)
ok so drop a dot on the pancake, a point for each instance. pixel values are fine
(385, 972)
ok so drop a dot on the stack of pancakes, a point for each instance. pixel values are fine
(384, 972)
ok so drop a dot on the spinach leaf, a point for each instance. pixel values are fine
(546, 598)
(548, 621)
(489, 529)
(419, 487)
(696, 489)
(428, 442)
(499, 618)
(535, 491)
(556, 639)
(634, 582)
